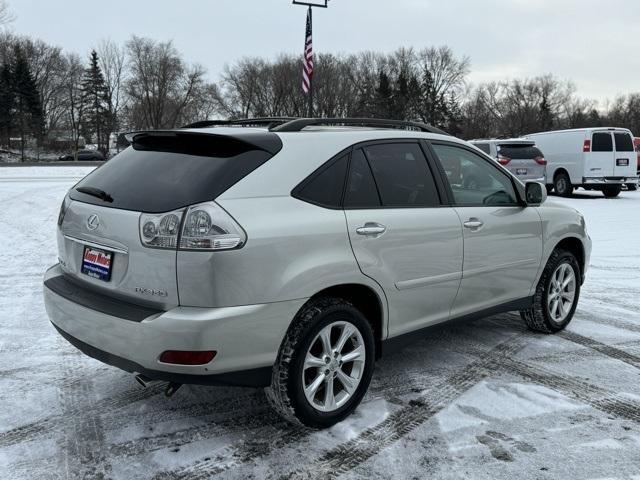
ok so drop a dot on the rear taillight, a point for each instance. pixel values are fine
(205, 226)
(160, 231)
(208, 226)
(586, 147)
(503, 159)
(540, 160)
(63, 210)
(178, 357)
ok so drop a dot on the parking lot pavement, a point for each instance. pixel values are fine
(486, 400)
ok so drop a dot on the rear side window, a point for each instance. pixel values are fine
(485, 147)
(402, 175)
(520, 152)
(602, 142)
(160, 173)
(325, 188)
(624, 143)
(361, 187)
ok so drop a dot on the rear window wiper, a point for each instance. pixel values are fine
(96, 192)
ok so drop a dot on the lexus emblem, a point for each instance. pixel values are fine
(93, 222)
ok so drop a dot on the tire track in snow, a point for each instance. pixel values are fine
(602, 348)
(348, 455)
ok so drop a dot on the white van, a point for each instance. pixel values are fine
(593, 158)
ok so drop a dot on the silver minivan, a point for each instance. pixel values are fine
(293, 257)
(521, 157)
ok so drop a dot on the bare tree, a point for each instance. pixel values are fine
(74, 98)
(113, 62)
(160, 86)
(5, 13)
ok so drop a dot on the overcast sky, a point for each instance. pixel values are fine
(594, 43)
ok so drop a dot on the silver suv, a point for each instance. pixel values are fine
(521, 157)
(292, 257)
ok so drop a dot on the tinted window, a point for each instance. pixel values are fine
(361, 188)
(602, 142)
(624, 143)
(473, 179)
(402, 175)
(520, 152)
(163, 173)
(485, 147)
(325, 188)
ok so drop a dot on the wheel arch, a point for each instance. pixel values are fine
(365, 299)
(575, 246)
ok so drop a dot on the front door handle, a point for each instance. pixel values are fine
(473, 223)
(371, 229)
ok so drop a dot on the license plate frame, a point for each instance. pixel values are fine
(97, 263)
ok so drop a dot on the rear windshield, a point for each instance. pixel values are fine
(520, 152)
(162, 173)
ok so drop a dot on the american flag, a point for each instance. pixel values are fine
(307, 67)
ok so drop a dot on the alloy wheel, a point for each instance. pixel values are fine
(561, 293)
(333, 366)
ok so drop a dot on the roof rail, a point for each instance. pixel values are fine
(297, 125)
(268, 122)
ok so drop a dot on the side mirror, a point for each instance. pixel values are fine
(535, 193)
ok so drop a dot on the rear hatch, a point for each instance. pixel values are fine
(523, 159)
(100, 233)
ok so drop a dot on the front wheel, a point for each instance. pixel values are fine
(324, 365)
(612, 191)
(557, 294)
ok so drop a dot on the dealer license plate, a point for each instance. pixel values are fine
(96, 263)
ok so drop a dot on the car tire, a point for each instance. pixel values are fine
(562, 185)
(632, 187)
(549, 300)
(612, 191)
(304, 338)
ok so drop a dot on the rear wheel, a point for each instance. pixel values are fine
(324, 365)
(612, 191)
(562, 184)
(549, 189)
(557, 294)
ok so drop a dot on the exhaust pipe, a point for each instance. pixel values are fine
(146, 382)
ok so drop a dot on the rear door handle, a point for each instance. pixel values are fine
(371, 229)
(473, 224)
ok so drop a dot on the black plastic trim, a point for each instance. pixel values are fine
(61, 285)
(394, 344)
(258, 377)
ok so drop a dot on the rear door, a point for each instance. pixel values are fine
(401, 235)
(524, 160)
(601, 160)
(625, 165)
(502, 239)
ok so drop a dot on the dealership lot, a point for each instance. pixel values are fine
(487, 399)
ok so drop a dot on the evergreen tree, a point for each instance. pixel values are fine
(6, 102)
(95, 104)
(27, 116)
(384, 96)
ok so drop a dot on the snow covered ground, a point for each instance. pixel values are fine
(486, 400)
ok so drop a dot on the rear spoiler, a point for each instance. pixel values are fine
(252, 140)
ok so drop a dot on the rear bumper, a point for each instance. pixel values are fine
(247, 338)
(609, 180)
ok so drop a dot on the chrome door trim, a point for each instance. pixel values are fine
(502, 266)
(426, 281)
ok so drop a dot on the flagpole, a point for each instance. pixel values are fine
(311, 82)
(310, 4)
